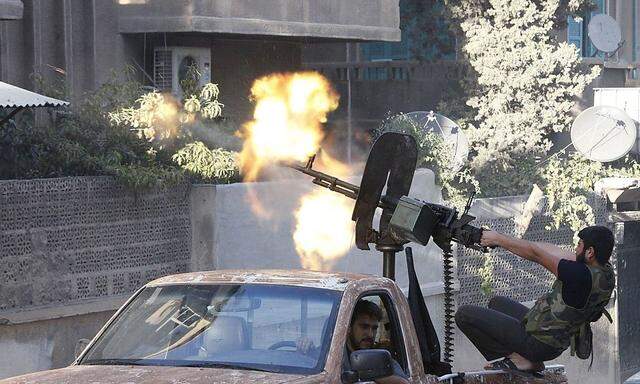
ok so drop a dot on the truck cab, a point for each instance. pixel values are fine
(247, 326)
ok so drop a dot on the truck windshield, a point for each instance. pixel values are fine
(258, 327)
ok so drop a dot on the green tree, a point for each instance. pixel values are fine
(169, 126)
(521, 86)
(525, 84)
(144, 139)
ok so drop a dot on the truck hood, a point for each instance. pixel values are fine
(112, 374)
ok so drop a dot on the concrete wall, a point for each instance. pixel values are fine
(628, 292)
(11, 9)
(77, 36)
(72, 250)
(70, 240)
(46, 344)
(231, 235)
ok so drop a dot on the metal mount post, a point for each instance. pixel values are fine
(389, 259)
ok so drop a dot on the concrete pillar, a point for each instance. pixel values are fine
(628, 291)
(203, 198)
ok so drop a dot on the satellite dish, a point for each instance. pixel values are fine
(431, 122)
(603, 133)
(605, 33)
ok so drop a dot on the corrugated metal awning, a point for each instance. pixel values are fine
(16, 97)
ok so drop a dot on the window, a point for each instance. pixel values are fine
(577, 30)
(237, 326)
(425, 35)
(387, 335)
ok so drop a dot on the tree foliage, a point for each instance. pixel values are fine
(463, 10)
(80, 141)
(569, 184)
(144, 139)
(527, 84)
(521, 87)
(211, 164)
(175, 128)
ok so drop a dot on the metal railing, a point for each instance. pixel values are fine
(394, 70)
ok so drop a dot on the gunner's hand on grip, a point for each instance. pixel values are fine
(489, 238)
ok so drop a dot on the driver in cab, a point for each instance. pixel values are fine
(362, 333)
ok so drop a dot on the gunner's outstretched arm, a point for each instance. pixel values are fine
(545, 254)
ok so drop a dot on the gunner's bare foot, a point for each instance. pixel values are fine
(522, 363)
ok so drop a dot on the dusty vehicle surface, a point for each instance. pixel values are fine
(245, 326)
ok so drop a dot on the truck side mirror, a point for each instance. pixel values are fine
(368, 365)
(81, 344)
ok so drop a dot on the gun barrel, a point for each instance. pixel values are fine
(337, 185)
(328, 181)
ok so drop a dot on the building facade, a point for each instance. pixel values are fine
(386, 78)
(234, 40)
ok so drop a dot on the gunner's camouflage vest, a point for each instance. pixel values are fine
(555, 323)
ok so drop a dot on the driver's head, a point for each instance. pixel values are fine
(364, 325)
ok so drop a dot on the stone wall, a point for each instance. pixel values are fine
(68, 241)
(71, 251)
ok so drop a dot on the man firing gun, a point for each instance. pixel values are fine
(515, 338)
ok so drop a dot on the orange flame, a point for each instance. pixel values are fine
(287, 121)
(287, 126)
(324, 230)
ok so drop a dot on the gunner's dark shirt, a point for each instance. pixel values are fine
(576, 282)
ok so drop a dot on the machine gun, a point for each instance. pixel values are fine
(392, 161)
(390, 168)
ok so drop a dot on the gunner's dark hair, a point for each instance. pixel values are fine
(601, 239)
(366, 307)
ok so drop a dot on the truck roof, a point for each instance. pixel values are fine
(328, 280)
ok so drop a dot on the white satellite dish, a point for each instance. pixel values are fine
(603, 133)
(431, 122)
(605, 34)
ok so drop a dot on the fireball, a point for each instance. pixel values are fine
(324, 230)
(287, 126)
(287, 121)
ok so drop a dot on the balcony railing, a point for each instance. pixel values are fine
(392, 70)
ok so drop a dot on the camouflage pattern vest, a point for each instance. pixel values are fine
(555, 323)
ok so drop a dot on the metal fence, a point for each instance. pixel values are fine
(512, 276)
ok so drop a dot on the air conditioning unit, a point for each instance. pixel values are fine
(170, 66)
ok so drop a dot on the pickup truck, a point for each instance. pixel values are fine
(231, 326)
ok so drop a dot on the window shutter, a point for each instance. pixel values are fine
(574, 32)
(162, 69)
